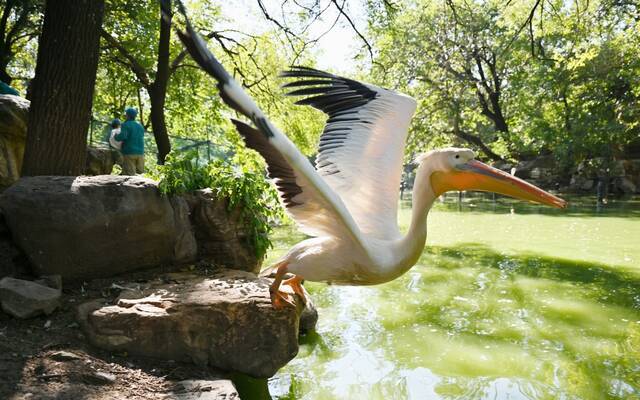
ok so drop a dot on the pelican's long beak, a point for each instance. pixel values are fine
(474, 175)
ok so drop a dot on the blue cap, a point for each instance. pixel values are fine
(131, 112)
(115, 122)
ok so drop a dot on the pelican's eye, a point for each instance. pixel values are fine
(457, 155)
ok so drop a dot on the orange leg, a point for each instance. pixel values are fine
(280, 299)
(296, 285)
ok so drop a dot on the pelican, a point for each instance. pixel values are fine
(348, 203)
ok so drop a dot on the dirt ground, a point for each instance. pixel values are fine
(47, 357)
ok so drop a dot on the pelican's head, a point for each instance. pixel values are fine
(457, 169)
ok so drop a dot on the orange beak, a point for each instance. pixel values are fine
(475, 175)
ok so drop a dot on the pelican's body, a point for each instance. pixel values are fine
(348, 202)
(338, 260)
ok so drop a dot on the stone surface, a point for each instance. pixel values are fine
(225, 320)
(100, 161)
(201, 389)
(52, 281)
(25, 299)
(88, 227)
(13, 132)
(626, 185)
(309, 316)
(537, 168)
(623, 176)
(221, 235)
(186, 248)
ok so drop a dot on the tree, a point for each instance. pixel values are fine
(453, 52)
(19, 23)
(123, 40)
(60, 110)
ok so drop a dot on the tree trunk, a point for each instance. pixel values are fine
(158, 90)
(60, 110)
(470, 138)
(4, 75)
(158, 123)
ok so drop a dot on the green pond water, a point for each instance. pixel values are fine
(508, 301)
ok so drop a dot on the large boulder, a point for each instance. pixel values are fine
(222, 235)
(13, 132)
(225, 320)
(88, 227)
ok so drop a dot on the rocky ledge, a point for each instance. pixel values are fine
(89, 227)
(224, 320)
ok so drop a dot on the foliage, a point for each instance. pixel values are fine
(519, 78)
(239, 180)
(20, 23)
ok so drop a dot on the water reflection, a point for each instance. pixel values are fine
(500, 306)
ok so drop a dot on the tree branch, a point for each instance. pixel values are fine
(137, 68)
(526, 22)
(353, 26)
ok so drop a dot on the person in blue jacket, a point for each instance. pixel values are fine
(132, 137)
(6, 89)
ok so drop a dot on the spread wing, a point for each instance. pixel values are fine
(307, 197)
(362, 146)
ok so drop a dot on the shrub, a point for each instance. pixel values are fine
(240, 180)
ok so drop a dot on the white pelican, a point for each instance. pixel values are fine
(348, 202)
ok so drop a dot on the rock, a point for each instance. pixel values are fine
(200, 389)
(52, 281)
(64, 356)
(586, 184)
(98, 378)
(186, 247)
(536, 168)
(13, 133)
(225, 320)
(221, 234)
(632, 170)
(90, 227)
(100, 161)
(626, 185)
(308, 317)
(25, 299)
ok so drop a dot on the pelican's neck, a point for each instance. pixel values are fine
(423, 198)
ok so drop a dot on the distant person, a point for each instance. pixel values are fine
(132, 137)
(115, 130)
(115, 145)
(6, 89)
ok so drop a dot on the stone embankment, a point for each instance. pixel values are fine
(620, 176)
(83, 230)
(93, 227)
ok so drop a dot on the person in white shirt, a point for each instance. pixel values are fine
(115, 145)
(115, 129)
